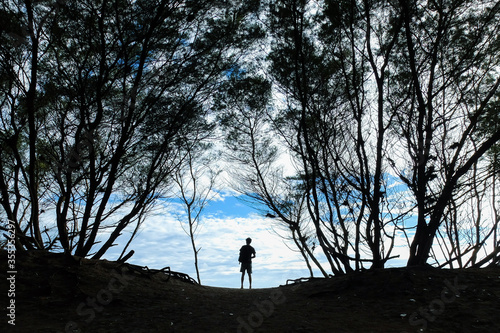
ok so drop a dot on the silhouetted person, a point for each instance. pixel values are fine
(247, 252)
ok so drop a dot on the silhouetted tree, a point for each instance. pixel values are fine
(100, 102)
(382, 106)
(325, 64)
(195, 188)
(448, 79)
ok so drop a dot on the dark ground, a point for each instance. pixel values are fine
(56, 294)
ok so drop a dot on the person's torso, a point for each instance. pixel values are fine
(246, 253)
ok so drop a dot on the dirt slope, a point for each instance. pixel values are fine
(54, 293)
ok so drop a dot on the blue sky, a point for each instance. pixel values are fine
(225, 226)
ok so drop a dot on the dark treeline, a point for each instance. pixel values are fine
(387, 109)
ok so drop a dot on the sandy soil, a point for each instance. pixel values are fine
(54, 293)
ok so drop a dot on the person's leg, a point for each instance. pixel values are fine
(242, 278)
(250, 279)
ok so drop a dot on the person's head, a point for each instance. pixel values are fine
(249, 240)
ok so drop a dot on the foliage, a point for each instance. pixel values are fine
(100, 103)
(387, 109)
(383, 107)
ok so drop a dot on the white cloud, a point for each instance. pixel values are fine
(162, 242)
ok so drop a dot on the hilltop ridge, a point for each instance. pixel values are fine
(55, 293)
